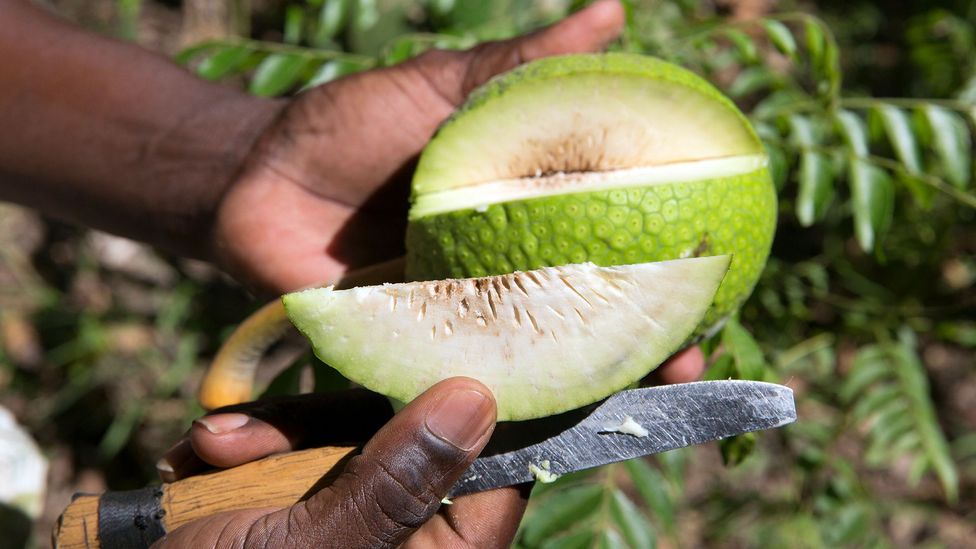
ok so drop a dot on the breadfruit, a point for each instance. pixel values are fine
(544, 341)
(610, 158)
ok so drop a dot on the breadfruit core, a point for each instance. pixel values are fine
(610, 158)
(544, 341)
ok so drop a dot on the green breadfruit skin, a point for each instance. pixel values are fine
(733, 215)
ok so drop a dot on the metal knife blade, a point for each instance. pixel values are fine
(675, 416)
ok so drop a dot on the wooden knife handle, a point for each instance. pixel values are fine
(122, 519)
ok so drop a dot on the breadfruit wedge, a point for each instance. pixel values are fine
(544, 341)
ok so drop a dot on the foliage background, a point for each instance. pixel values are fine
(867, 308)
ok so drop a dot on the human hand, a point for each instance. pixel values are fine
(326, 187)
(388, 496)
(239, 434)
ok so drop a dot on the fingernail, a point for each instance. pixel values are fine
(165, 470)
(219, 424)
(461, 418)
(173, 459)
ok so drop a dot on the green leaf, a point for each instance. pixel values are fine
(816, 187)
(874, 401)
(610, 539)
(815, 41)
(736, 449)
(815, 175)
(873, 202)
(471, 14)
(634, 526)
(401, 51)
(187, 55)
(898, 127)
(870, 365)
(854, 132)
(744, 45)
(294, 24)
(333, 16)
(872, 190)
(960, 332)
(964, 447)
(440, 8)
(277, 74)
(576, 540)
(848, 525)
(923, 193)
(779, 166)
(373, 24)
(908, 443)
(892, 425)
(560, 511)
(950, 136)
(332, 70)
(781, 36)
(905, 423)
(918, 468)
(751, 79)
(653, 489)
(223, 62)
(367, 14)
(722, 368)
(830, 68)
(911, 372)
(745, 351)
(120, 430)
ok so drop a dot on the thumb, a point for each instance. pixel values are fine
(399, 480)
(456, 74)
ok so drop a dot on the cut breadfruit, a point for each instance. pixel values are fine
(607, 158)
(544, 341)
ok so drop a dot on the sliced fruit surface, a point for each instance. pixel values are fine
(583, 113)
(544, 341)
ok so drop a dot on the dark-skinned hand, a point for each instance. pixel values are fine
(388, 496)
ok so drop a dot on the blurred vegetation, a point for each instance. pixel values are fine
(867, 308)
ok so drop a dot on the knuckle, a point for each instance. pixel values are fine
(401, 494)
(442, 72)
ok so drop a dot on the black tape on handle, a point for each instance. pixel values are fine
(131, 519)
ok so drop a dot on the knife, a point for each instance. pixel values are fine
(626, 425)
